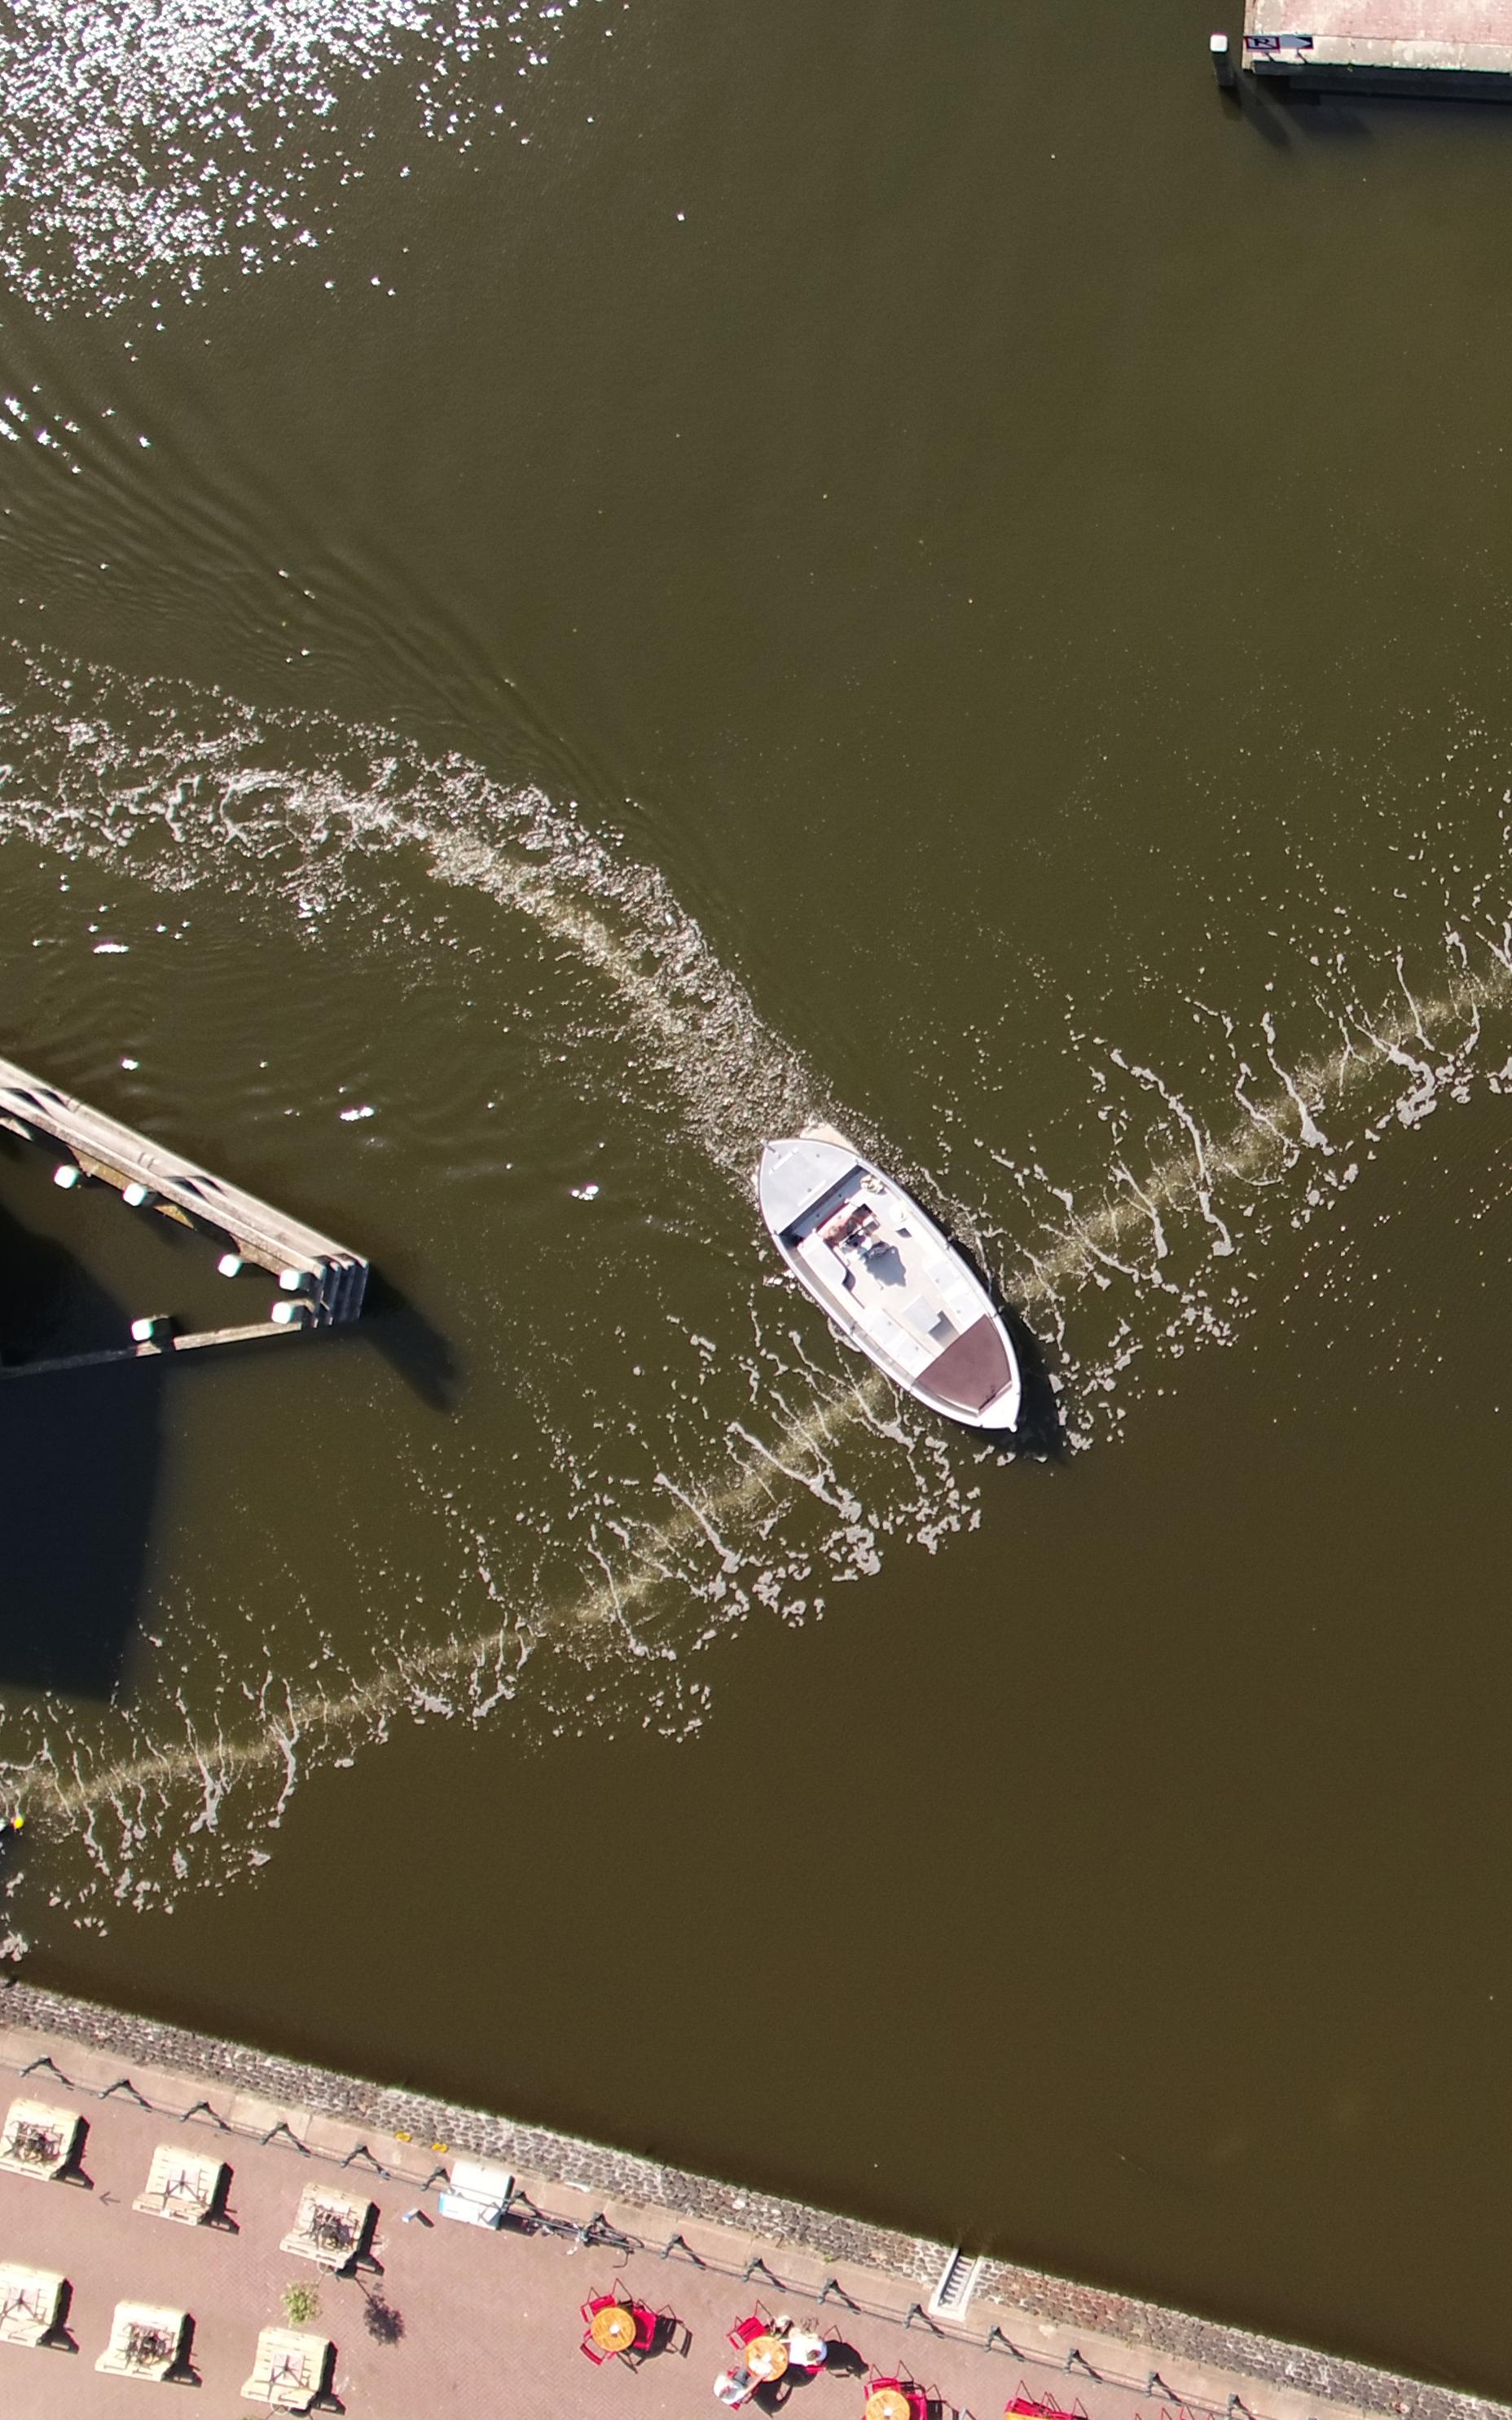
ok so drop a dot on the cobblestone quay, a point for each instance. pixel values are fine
(1092, 2338)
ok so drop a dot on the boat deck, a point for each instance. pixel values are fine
(892, 1282)
(882, 1269)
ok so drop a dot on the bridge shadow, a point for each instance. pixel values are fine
(80, 1452)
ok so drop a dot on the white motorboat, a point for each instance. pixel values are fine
(893, 1285)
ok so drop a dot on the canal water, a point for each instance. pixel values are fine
(582, 583)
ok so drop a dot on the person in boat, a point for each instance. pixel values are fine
(854, 1233)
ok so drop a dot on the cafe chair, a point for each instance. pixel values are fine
(915, 2396)
(678, 2335)
(744, 2332)
(648, 2325)
(588, 2312)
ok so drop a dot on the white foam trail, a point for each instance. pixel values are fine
(221, 1760)
(1261, 1145)
(176, 784)
(1309, 1131)
(178, 787)
(795, 1457)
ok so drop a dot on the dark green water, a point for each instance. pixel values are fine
(911, 565)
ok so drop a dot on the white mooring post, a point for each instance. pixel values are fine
(1223, 66)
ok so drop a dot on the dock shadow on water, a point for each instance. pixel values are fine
(411, 1345)
(81, 1452)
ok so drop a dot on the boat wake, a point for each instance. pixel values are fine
(767, 1474)
(189, 792)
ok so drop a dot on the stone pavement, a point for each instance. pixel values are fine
(1404, 37)
(457, 2320)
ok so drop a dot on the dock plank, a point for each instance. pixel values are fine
(325, 1279)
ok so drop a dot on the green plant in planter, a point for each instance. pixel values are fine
(301, 2304)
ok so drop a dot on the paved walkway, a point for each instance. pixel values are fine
(458, 2319)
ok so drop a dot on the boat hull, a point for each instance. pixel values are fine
(891, 1282)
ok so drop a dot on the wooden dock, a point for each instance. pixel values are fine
(320, 1283)
(1438, 48)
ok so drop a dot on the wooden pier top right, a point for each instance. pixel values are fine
(1389, 44)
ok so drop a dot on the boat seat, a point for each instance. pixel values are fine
(825, 1261)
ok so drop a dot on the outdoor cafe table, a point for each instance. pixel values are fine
(767, 2357)
(888, 2404)
(612, 2329)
